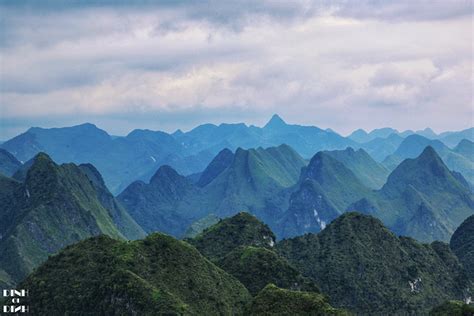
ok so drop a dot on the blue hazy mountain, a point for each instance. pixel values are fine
(449, 138)
(371, 173)
(453, 138)
(379, 148)
(306, 140)
(457, 159)
(8, 163)
(293, 197)
(137, 156)
(325, 189)
(120, 159)
(422, 199)
(255, 180)
(465, 148)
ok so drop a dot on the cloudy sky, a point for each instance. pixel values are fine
(343, 65)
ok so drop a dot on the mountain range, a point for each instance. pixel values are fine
(8, 163)
(256, 180)
(421, 198)
(354, 265)
(278, 218)
(449, 138)
(460, 158)
(124, 159)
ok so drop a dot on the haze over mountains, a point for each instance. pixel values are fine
(422, 189)
(137, 156)
(324, 193)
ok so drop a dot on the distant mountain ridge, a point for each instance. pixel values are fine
(458, 159)
(137, 156)
(422, 198)
(8, 163)
(449, 138)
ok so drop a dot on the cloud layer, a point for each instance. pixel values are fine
(176, 64)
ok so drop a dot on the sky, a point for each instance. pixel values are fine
(166, 65)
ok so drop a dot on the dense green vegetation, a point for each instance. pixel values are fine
(200, 225)
(453, 308)
(462, 244)
(275, 301)
(55, 206)
(422, 199)
(228, 234)
(243, 246)
(363, 267)
(157, 275)
(256, 267)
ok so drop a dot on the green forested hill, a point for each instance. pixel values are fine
(55, 206)
(462, 244)
(244, 247)
(8, 163)
(275, 301)
(155, 276)
(365, 268)
(242, 229)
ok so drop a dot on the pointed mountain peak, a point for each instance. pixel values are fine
(216, 166)
(465, 147)
(363, 222)
(465, 142)
(425, 172)
(321, 163)
(319, 158)
(275, 121)
(429, 153)
(42, 157)
(165, 173)
(178, 133)
(41, 168)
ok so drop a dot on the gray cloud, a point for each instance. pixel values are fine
(404, 64)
